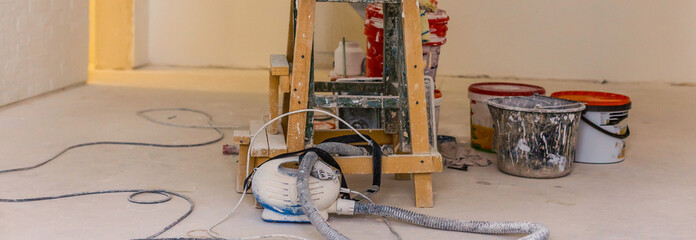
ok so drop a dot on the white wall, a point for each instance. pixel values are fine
(617, 40)
(43, 46)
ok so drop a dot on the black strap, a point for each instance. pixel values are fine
(376, 158)
(602, 130)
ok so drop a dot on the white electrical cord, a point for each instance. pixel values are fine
(251, 143)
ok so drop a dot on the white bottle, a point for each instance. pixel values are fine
(354, 59)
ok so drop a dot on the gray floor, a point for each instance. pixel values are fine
(652, 195)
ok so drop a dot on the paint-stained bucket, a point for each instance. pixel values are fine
(601, 137)
(535, 136)
(481, 122)
(374, 33)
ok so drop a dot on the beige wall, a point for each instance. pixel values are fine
(141, 22)
(43, 46)
(639, 40)
(235, 33)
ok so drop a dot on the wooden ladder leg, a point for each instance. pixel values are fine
(418, 115)
(299, 90)
(423, 185)
(241, 165)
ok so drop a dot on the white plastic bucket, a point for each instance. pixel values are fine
(601, 136)
(595, 146)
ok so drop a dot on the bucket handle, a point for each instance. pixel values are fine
(614, 135)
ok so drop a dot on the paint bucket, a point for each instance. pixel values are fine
(481, 122)
(535, 136)
(601, 137)
(437, 102)
(374, 32)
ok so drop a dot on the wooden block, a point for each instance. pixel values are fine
(438, 165)
(423, 189)
(286, 108)
(260, 145)
(273, 102)
(241, 137)
(276, 144)
(241, 166)
(284, 83)
(279, 65)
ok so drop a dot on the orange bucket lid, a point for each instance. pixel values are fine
(597, 99)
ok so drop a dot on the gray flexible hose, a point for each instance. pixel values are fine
(536, 231)
(305, 196)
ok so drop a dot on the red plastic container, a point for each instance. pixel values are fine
(374, 31)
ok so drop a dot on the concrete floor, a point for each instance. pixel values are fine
(652, 195)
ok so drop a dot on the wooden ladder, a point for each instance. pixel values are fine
(403, 98)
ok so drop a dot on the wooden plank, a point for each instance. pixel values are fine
(304, 38)
(241, 137)
(414, 76)
(391, 164)
(274, 81)
(241, 166)
(376, 134)
(276, 144)
(423, 189)
(260, 145)
(290, 47)
(284, 83)
(279, 65)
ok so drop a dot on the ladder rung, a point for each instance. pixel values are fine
(360, 87)
(347, 101)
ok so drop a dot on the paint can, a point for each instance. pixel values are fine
(374, 33)
(601, 137)
(438, 36)
(535, 136)
(482, 131)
